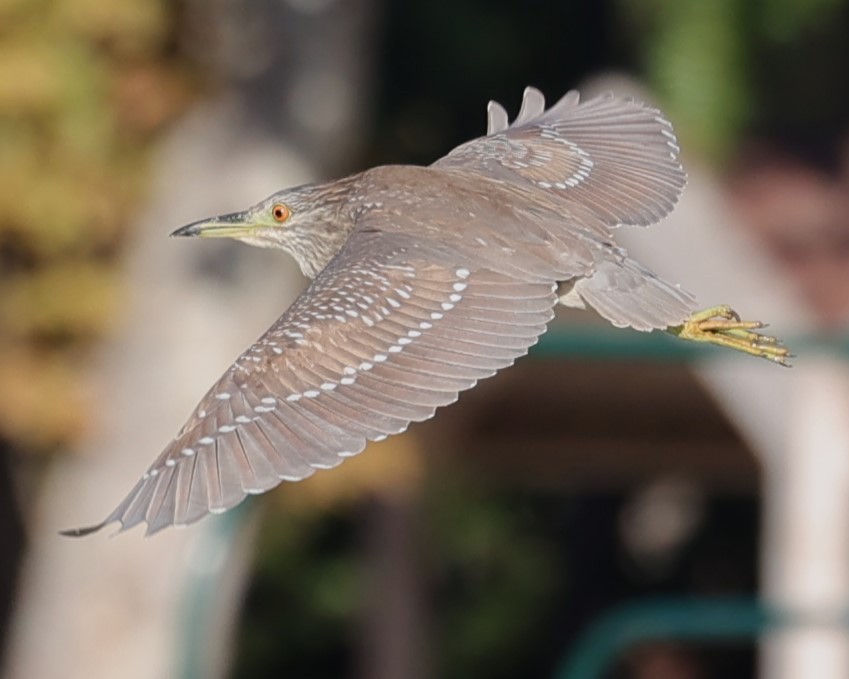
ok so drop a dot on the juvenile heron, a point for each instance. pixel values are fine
(425, 281)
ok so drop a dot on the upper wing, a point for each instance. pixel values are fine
(387, 333)
(617, 157)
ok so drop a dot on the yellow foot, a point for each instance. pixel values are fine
(721, 325)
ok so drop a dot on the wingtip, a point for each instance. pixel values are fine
(531, 91)
(533, 106)
(497, 120)
(81, 532)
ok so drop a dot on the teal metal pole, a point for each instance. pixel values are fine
(203, 595)
(673, 619)
(604, 342)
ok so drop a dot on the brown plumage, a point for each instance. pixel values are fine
(427, 279)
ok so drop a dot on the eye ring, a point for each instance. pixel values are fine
(280, 212)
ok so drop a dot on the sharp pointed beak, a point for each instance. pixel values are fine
(233, 225)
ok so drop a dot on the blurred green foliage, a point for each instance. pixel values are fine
(496, 571)
(726, 66)
(304, 598)
(85, 85)
(698, 60)
(491, 568)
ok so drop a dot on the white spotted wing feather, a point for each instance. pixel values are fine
(451, 280)
(617, 157)
(382, 338)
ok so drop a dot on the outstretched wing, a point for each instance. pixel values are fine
(387, 333)
(617, 157)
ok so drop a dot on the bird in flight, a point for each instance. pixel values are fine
(426, 280)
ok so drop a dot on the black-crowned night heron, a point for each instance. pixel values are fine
(427, 280)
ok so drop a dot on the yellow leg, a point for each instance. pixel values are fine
(722, 326)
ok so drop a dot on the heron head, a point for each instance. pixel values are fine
(305, 221)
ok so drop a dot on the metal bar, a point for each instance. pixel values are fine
(622, 344)
(700, 620)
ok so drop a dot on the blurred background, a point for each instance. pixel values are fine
(616, 505)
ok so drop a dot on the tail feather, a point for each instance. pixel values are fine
(629, 295)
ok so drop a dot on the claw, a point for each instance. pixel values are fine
(721, 325)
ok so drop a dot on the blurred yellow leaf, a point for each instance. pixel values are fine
(127, 26)
(29, 79)
(43, 399)
(83, 84)
(75, 299)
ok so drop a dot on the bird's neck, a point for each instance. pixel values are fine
(313, 254)
(329, 226)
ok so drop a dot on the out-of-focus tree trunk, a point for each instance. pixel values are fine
(293, 87)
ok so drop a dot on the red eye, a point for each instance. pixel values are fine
(280, 212)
